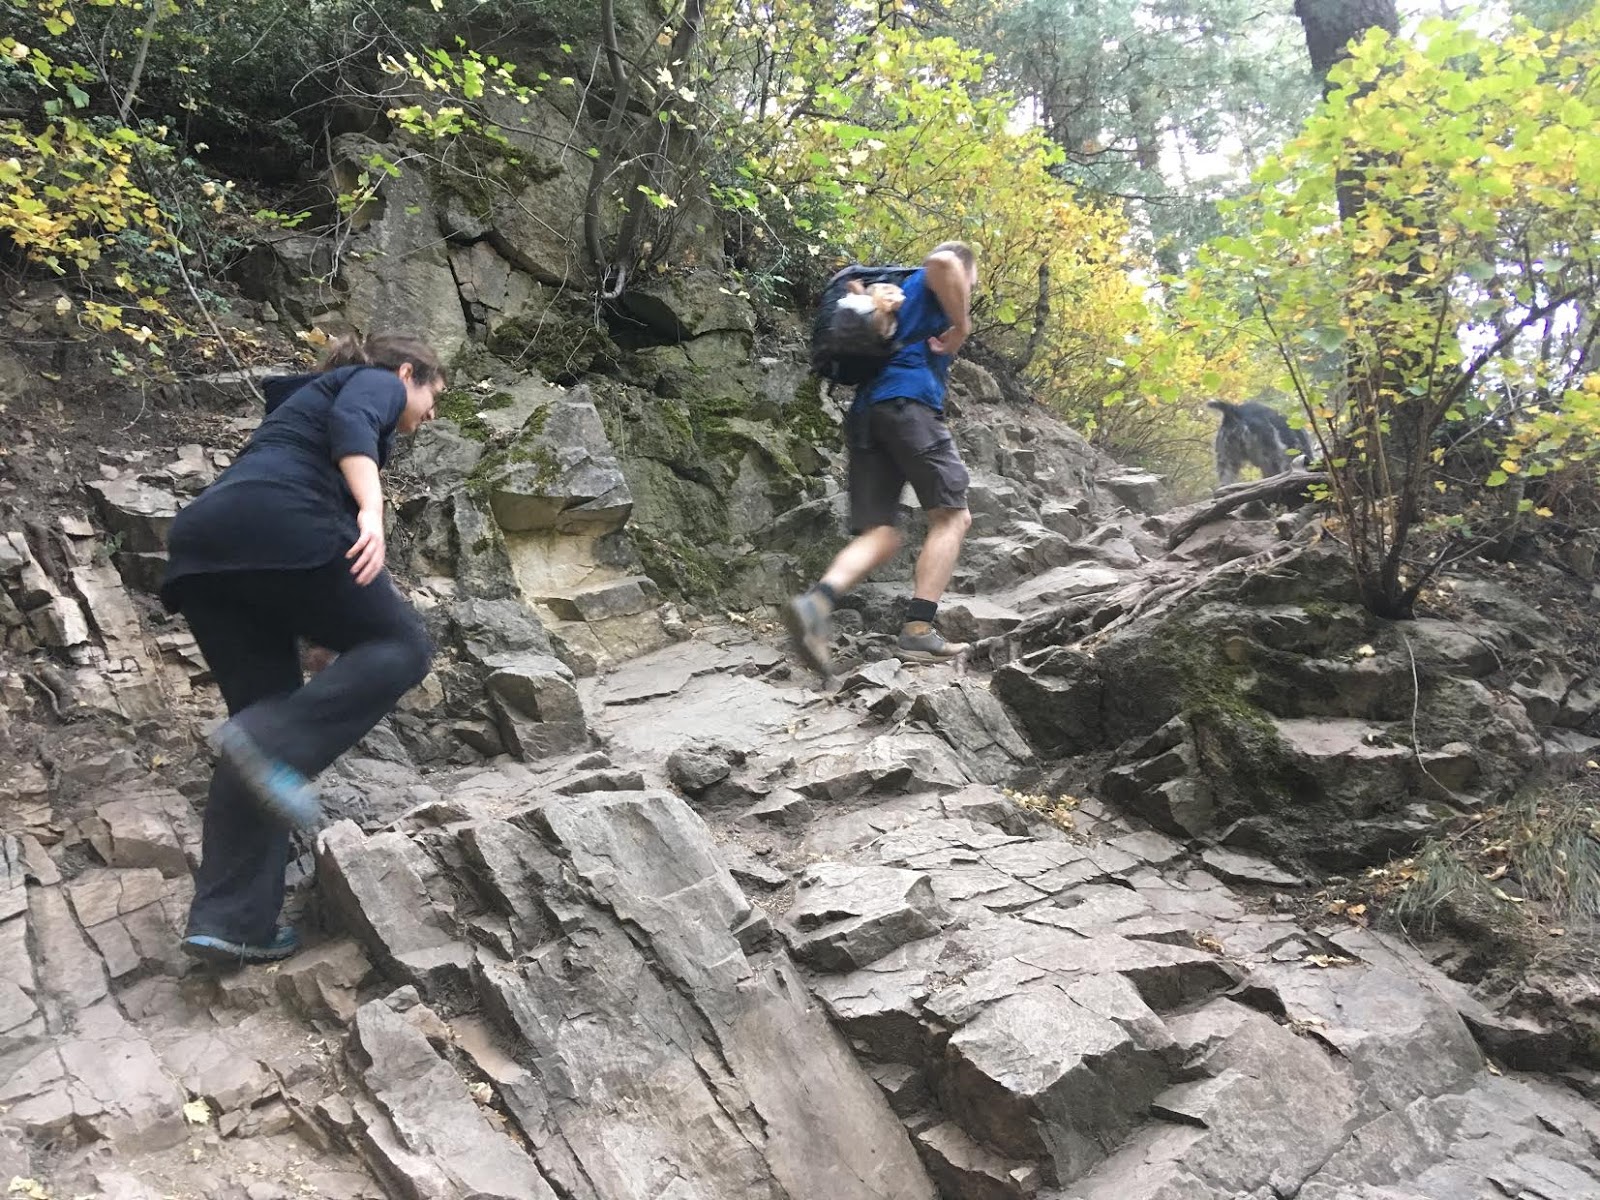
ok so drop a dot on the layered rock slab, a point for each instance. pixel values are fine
(652, 1047)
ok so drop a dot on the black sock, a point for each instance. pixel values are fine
(921, 610)
(825, 590)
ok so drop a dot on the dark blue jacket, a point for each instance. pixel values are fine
(284, 505)
(915, 372)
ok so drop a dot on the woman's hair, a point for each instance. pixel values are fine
(387, 350)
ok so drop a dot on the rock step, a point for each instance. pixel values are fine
(620, 598)
(973, 618)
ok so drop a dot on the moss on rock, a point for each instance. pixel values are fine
(464, 406)
(562, 347)
(526, 448)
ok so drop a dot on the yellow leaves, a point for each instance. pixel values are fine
(1327, 962)
(197, 1112)
(1356, 914)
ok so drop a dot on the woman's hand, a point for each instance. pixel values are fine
(361, 477)
(368, 552)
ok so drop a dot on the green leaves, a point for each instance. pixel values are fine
(1412, 247)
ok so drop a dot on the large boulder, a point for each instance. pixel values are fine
(660, 995)
(532, 207)
(395, 270)
(1270, 706)
(138, 514)
(977, 727)
(529, 323)
(536, 705)
(425, 1127)
(845, 917)
(488, 628)
(690, 304)
(454, 536)
(559, 473)
(443, 456)
(381, 889)
(294, 273)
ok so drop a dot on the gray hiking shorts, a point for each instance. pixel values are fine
(896, 442)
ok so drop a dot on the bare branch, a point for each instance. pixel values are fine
(1274, 487)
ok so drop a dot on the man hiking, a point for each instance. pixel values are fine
(897, 435)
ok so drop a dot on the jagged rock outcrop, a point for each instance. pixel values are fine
(629, 949)
(1272, 711)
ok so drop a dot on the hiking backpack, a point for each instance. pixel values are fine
(844, 348)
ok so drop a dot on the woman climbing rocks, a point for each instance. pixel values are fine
(288, 543)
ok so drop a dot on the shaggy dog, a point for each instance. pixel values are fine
(1254, 434)
(879, 304)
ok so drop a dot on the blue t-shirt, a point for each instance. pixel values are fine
(916, 372)
(284, 505)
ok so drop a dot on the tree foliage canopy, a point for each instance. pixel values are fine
(1465, 279)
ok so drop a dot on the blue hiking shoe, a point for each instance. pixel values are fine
(283, 793)
(808, 619)
(222, 952)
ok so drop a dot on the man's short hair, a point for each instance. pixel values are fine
(961, 250)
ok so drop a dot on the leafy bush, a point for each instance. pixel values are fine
(1425, 248)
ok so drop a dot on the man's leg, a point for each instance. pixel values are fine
(864, 554)
(238, 888)
(875, 484)
(927, 453)
(947, 529)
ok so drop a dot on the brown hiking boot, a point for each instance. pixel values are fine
(921, 642)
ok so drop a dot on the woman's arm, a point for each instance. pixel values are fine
(361, 477)
(364, 411)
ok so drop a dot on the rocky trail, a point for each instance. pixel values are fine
(622, 905)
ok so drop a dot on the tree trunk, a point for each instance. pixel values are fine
(1331, 25)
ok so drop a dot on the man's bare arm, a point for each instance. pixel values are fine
(947, 279)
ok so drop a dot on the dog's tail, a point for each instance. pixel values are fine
(1230, 412)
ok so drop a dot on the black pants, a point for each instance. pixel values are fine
(246, 624)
